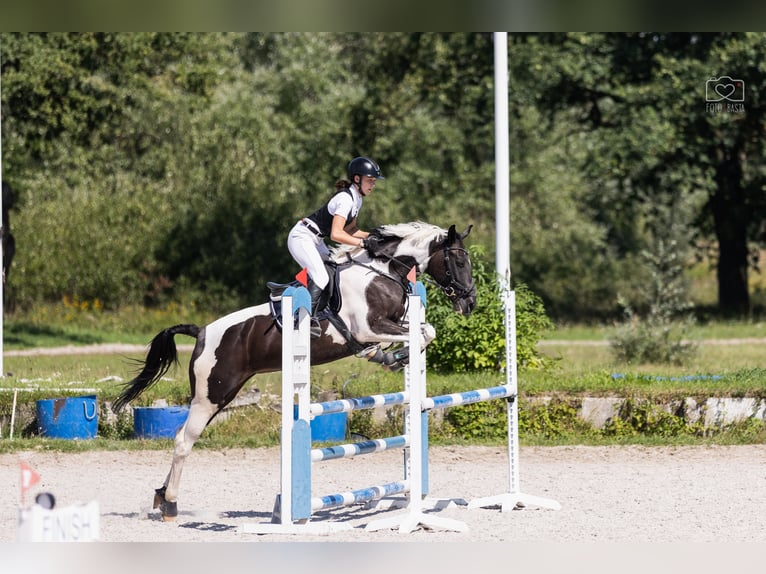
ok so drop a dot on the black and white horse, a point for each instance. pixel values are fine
(371, 308)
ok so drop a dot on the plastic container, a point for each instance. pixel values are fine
(327, 428)
(68, 418)
(158, 422)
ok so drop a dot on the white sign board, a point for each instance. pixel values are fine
(79, 523)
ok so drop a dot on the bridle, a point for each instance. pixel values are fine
(454, 289)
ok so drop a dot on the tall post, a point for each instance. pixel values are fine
(288, 398)
(503, 241)
(295, 479)
(514, 497)
(502, 163)
(292, 509)
(2, 230)
(415, 379)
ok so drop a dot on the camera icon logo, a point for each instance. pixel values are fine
(724, 88)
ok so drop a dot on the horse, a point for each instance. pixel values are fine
(366, 313)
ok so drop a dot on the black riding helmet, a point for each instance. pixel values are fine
(363, 166)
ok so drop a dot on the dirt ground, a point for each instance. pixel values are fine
(607, 494)
(625, 509)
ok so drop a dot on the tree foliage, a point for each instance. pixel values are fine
(151, 166)
(478, 342)
(639, 101)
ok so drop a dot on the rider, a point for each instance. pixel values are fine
(336, 219)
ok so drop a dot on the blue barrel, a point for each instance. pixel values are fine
(158, 422)
(69, 418)
(326, 428)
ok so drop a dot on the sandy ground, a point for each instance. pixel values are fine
(607, 494)
(625, 509)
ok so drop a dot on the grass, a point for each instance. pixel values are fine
(718, 370)
(702, 331)
(76, 322)
(579, 364)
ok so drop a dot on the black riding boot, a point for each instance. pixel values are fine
(319, 299)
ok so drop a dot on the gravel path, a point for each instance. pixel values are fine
(608, 494)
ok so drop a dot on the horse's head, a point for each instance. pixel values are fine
(442, 255)
(450, 266)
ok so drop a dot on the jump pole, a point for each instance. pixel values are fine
(514, 497)
(415, 419)
(294, 505)
(292, 508)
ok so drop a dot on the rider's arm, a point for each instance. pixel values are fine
(340, 235)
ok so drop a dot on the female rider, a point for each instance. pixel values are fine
(336, 219)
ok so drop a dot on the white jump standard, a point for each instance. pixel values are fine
(514, 497)
(416, 426)
(295, 503)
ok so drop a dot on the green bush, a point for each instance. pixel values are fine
(477, 342)
(643, 417)
(659, 334)
(478, 421)
(362, 423)
(552, 419)
(120, 427)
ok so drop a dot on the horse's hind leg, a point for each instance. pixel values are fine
(166, 497)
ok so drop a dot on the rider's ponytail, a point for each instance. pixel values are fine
(342, 184)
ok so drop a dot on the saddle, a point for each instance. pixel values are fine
(330, 312)
(334, 301)
(391, 360)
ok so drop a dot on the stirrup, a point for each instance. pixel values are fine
(315, 329)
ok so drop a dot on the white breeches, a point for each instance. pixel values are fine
(309, 251)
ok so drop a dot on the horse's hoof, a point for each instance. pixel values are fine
(169, 511)
(371, 353)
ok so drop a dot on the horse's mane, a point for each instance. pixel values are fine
(417, 233)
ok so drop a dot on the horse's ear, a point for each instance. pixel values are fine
(466, 232)
(451, 234)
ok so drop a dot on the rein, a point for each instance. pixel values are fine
(453, 289)
(379, 272)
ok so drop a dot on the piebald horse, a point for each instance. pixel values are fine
(372, 305)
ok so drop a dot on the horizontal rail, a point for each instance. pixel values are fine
(467, 397)
(441, 401)
(355, 449)
(52, 390)
(359, 496)
(346, 405)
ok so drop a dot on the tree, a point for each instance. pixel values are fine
(93, 127)
(641, 100)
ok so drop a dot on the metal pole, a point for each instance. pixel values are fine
(502, 257)
(502, 162)
(2, 231)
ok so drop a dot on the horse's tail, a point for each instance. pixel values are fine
(161, 355)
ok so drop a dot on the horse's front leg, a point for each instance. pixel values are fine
(166, 497)
(389, 332)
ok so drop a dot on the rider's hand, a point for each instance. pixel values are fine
(371, 243)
